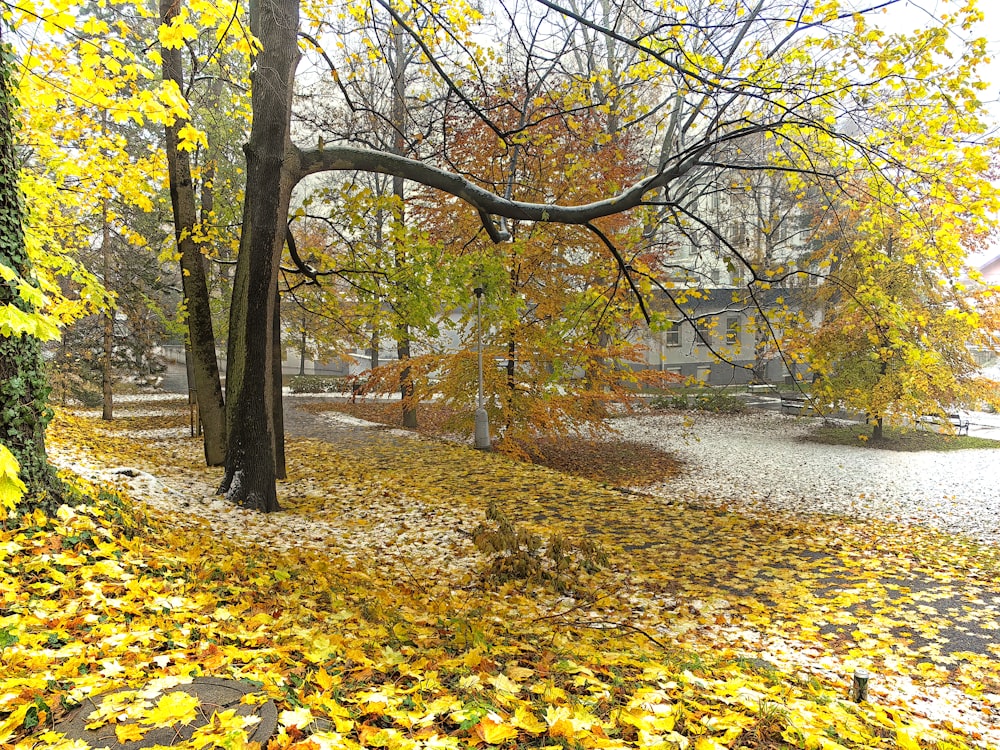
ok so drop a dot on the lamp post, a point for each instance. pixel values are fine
(482, 439)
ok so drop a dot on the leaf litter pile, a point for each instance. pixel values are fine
(615, 462)
(414, 593)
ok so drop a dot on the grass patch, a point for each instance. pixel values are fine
(895, 439)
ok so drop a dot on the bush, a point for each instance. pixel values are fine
(670, 401)
(324, 383)
(515, 554)
(719, 402)
(708, 399)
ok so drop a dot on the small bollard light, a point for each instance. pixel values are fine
(859, 687)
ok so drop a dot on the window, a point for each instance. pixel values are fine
(672, 335)
(703, 331)
(732, 330)
(736, 274)
(738, 233)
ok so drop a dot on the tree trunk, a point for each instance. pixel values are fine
(511, 369)
(272, 170)
(877, 430)
(23, 387)
(398, 71)
(406, 390)
(277, 411)
(107, 388)
(205, 365)
(302, 345)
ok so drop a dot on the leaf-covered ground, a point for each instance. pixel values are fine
(362, 610)
(612, 461)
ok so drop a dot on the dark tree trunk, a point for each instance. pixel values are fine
(511, 369)
(877, 430)
(406, 390)
(23, 388)
(277, 410)
(302, 345)
(272, 170)
(107, 387)
(205, 365)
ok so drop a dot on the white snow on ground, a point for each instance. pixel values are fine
(756, 462)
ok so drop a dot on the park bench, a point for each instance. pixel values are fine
(959, 420)
(794, 401)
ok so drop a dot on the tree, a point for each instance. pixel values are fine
(896, 334)
(201, 336)
(706, 112)
(271, 175)
(23, 387)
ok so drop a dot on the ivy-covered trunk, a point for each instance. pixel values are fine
(24, 412)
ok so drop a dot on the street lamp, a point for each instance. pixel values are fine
(482, 439)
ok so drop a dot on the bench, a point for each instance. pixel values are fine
(959, 420)
(794, 401)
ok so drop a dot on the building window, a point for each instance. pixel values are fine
(672, 336)
(732, 330)
(703, 331)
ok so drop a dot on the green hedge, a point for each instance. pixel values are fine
(323, 383)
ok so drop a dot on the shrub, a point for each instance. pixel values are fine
(515, 554)
(323, 383)
(707, 399)
(719, 402)
(670, 401)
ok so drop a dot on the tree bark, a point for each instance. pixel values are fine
(302, 345)
(277, 410)
(205, 366)
(407, 391)
(24, 390)
(107, 387)
(272, 171)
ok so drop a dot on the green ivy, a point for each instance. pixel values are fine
(24, 411)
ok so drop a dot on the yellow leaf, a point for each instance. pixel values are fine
(707, 743)
(906, 740)
(189, 138)
(11, 486)
(324, 680)
(129, 732)
(525, 719)
(504, 684)
(177, 707)
(300, 717)
(494, 732)
(562, 728)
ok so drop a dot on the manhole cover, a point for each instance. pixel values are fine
(214, 696)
